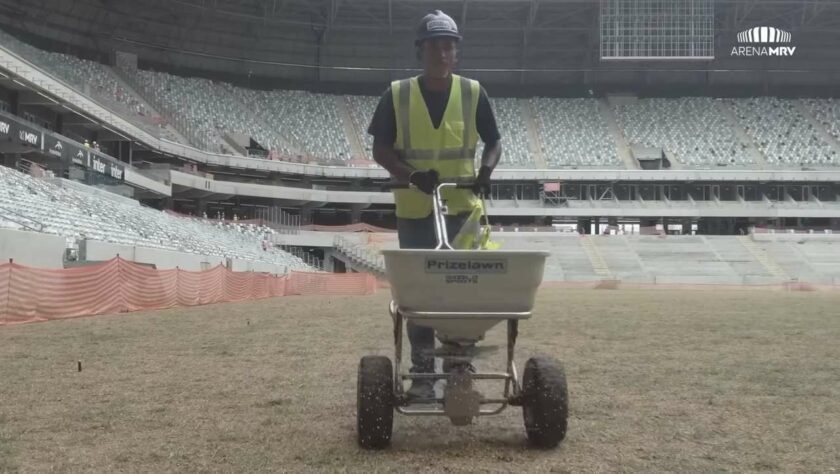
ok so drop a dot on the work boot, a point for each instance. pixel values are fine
(421, 388)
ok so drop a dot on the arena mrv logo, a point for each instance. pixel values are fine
(466, 265)
(28, 137)
(760, 36)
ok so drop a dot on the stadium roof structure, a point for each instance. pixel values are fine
(512, 42)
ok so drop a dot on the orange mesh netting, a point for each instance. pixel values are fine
(306, 283)
(33, 294)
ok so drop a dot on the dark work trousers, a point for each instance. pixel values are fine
(420, 234)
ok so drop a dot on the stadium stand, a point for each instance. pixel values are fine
(94, 80)
(567, 262)
(311, 119)
(810, 262)
(573, 133)
(361, 257)
(514, 133)
(782, 132)
(204, 110)
(686, 259)
(361, 108)
(697, 132)
(691, 129)
(827, 113)
(34, 204)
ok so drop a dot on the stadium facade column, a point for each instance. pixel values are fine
(356, 213)
(584, 226)
(9, 160)
(329, 260)
(647, 224)
(200, 206)
(14, 102)
(306, 214)
(686, 226)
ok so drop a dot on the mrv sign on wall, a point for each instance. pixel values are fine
(763, 41)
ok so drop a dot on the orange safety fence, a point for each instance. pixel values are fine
(377, 238)
(33, 294)
(311, 283)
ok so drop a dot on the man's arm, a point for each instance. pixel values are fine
(491, 155)
(489, 132)
(387, 157)
(383, 127)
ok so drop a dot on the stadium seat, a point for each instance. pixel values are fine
(74, 214)
(692, 129)
(94, 80)
(573, 133)
(783, 135)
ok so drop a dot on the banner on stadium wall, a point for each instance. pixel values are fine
(28, 136)
(17, 131)
(67, 150)
(5, 129)
(71, 152)
(102, 165)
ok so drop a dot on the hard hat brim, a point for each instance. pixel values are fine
(437, 34)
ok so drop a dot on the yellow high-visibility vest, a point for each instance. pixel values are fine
(449, 149)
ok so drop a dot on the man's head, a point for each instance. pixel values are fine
(437, 36)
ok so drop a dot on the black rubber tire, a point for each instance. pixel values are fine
(545, 402)
(375, 402)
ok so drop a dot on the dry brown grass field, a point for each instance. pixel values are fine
(685, 381)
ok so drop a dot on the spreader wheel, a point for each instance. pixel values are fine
(545, 402)
(375, 402)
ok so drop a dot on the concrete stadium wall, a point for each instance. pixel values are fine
(35, 249)
(310, 238)
(94, 250)
(162, 259)
(261, 267)
(166, 259)
(32, 249)
(793, 237)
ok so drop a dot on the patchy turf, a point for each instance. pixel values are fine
(689, 381)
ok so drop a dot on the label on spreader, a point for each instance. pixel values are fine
(466, 265)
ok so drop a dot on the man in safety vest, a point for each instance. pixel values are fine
(425, 131)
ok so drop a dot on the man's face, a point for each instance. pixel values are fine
(439, 57)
